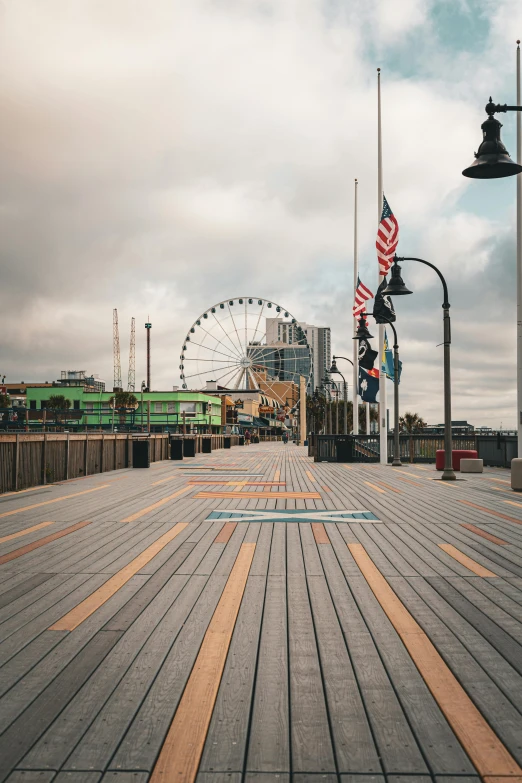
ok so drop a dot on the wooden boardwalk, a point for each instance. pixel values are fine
(250, 615)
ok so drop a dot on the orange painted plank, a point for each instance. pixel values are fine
(277, 475)
(326, 489)
(41, 542)
(224, 534)
(495, 513)
(241, 483)
(272, 495)
(409, 481)
(311, 477)
(466, 561)
(83, 610)
(392, 489)
(25, 531)
(374, 486)
(486, 751)
(48, 502)
(320, 534)
(479, 532)
(180, 755)
(159, 503)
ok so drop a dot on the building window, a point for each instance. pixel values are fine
(32, 405)
(76, 405)
(171, 407)
(158, 407)
(89, 406)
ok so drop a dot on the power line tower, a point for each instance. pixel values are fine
(148, 327)
(116, 351)
(132, 358)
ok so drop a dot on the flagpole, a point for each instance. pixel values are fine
(383, 430)
(355, 404)
(519, 262)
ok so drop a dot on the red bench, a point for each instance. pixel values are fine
(457, 455)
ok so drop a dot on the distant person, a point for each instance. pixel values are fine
(247, 438)
(285, 437)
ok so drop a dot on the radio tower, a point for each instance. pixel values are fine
(116, 351)
(132, 358)
(148, 327)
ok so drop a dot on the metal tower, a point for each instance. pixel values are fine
(132, 358)
(148, 327)
(116, 350)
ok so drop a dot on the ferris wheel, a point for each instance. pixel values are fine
(247, 343)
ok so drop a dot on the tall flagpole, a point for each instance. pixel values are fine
(355, 404)
(519, 261)
(383, 429)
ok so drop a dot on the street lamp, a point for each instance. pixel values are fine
(396, 287)
(492, 161)
(325, 385)
(143, 387)
(335, 371)
(396, 440)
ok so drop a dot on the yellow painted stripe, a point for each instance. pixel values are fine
(161, 481)
(312, 479)
(376, 488)
(161, 502)
(482, 745)
(466, 561)
(181, 752)
(272, 495)
(48, 502)
(72, 619)
(25, 531)
(502, 481)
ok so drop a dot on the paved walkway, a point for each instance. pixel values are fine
(250, 615)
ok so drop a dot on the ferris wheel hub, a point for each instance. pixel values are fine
(246, 362)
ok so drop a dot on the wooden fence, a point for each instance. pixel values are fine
(32, 459)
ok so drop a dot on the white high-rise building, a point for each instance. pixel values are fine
(319, 340)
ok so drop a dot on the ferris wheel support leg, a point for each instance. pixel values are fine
(302, 410)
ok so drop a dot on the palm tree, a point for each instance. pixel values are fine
(411, 423)
(123, 402)
(58, 403)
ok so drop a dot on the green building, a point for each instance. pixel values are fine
(196, 411)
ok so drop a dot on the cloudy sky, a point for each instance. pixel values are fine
(159, 157)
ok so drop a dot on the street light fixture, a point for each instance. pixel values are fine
(396, 287)
(493, 162)
(363, 333)
(335, 371)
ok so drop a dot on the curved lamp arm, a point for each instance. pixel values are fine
(446, 303)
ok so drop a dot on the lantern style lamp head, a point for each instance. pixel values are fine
(396, 285)
(363, 333)
(333, 369)
(492, 160)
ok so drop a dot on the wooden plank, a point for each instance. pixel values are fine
(320, 534)
(466, 561)
(181, 752)
(269, 742)
(226, 743)
(25, 730)
(486, 751)
(154, 506)
(25, 531)
(256, 495)
(72, 619)
(22, 588)
(484, 534)
(491, 511)
(15, 553)
(226, 531)
(55, 500)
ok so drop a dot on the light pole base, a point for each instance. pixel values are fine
(448, 475)
(396, 463)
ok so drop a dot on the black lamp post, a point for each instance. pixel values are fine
(492, 161)
(334, 370)
(396, 463)
(325, 385)
(396, 287)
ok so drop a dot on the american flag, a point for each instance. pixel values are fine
(387, 238)
(362, 294)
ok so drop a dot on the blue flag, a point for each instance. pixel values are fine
(368, 385)
(388, 367)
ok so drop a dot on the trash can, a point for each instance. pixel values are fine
(227, 442)
(241, 439)
(176, 448)
(343, 448)
(141, 453)
(206, 445)
(189, 447)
